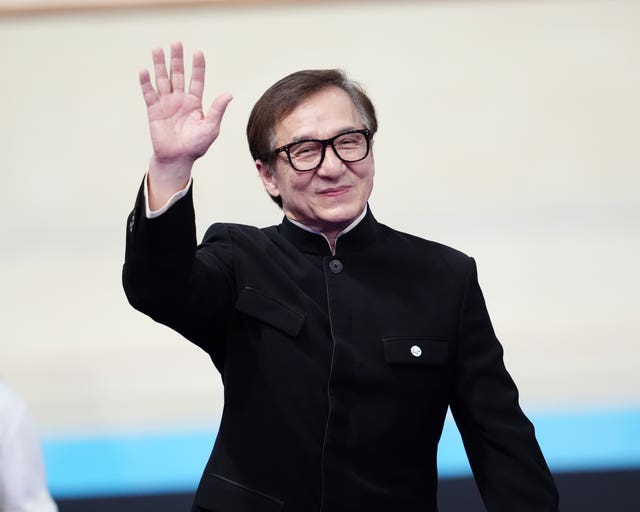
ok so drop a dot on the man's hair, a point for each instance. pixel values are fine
(284, 96)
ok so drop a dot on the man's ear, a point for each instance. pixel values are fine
(268, 178)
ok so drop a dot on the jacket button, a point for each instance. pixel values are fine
(416, 351)
(335, 266)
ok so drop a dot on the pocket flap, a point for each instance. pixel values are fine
(415, 350)
(255, 303)
(220, 494)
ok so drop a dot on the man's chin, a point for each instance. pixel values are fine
(340, 217)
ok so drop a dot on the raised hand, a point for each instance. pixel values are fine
(180, 132)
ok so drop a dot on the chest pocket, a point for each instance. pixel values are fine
(416, 350)
(257, 304)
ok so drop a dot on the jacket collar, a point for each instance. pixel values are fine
(354, 240)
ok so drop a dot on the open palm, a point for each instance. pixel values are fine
(180, 131)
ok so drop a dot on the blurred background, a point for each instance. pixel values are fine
(508, 129)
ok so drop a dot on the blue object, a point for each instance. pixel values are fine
(162, 462)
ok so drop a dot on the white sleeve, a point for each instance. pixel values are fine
(172, 200)
(23, 483)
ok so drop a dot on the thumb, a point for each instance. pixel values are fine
(217, 109)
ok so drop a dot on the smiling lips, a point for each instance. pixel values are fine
(334, 191)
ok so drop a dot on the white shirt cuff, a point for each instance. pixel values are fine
(152, 214)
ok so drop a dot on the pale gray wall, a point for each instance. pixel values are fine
(508, 129)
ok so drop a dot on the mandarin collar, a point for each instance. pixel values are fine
(354, 240)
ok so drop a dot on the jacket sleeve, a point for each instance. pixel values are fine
(167, 277)
(500, 442)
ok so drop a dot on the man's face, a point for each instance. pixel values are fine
(329, 198)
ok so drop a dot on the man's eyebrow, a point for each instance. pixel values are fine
(299, 138)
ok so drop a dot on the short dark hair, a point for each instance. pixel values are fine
(286, 94)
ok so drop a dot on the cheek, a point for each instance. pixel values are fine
(296, 188)
(366, 174)
(369, 187)
(301, 181)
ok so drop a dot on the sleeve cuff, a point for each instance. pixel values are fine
(152, 214)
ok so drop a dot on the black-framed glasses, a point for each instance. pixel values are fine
(308, 154)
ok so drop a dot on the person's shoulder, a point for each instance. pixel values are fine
(8, 397)
(423, 247)
(233, 230)
(13, 408)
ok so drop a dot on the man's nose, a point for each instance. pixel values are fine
(331, 166)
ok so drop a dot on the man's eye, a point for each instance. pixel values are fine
(302, 150)
(348, 141)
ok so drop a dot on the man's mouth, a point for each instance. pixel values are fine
(334, 191)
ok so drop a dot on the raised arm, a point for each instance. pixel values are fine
(180, 131)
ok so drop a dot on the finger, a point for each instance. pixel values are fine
(149, 93)
(163, 85)
(177, 67)
(217, 109)
(196, 86)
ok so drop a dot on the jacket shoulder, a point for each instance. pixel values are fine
(424, 248)
(223, 230)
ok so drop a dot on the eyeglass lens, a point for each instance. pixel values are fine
(307, 155)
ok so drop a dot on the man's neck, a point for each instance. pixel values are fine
(332, 236)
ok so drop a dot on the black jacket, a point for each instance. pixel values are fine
(337, 370)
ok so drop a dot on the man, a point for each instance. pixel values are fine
(341, 342)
